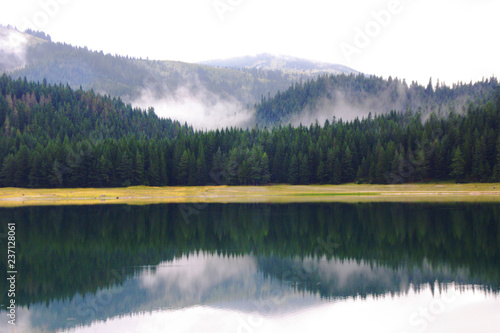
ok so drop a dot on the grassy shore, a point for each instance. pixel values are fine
(12, 197)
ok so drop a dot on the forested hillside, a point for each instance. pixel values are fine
(54, 136)
(51, 131)
(129, 78)
(351, 96)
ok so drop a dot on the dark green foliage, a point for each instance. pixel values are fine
(183, 168)
(496, 175)
(53, 136)
(293, 171)
(457, 165)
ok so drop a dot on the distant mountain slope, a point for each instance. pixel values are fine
(204, 96)
(356, 96)
(128, 77)
(282, 63)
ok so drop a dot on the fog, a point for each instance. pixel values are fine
(198, 107)
(12, 49)
(349, 105)
(205, 110)
(343, 106)
(340, 108)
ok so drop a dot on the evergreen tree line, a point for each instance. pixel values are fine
(53, 136)
(361, 92)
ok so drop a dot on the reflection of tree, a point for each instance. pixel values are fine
(336, 279)
(65, 250)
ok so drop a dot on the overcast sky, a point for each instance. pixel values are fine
(450, 40)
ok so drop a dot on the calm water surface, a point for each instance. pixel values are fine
(378, 267)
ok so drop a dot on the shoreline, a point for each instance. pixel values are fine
(141, 195)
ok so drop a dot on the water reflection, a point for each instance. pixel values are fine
(214, 293)
(254, 267)
(467, 311)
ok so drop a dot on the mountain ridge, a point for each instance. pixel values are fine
(33, 55)
(202, 95)
(268, 61)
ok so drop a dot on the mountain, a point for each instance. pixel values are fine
(38, 59)
(202, 95)
(282, 63)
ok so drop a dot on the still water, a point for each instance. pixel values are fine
(378, 267)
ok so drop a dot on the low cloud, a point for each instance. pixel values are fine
(198, 107)
(349, 105)
(327, 109)
(12, 49)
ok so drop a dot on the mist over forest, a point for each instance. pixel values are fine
(241, 166)
(72, 117)
(262, 90)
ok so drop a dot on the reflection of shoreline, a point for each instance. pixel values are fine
(242, 284)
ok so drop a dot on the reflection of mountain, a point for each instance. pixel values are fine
(349, 278)
(181, 283)
(67, 241)
(249, 252)
(165, 85)
(240, 283)
(185, 282)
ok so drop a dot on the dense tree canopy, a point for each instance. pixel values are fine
(54, 136)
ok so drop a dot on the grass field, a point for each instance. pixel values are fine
(11, 197)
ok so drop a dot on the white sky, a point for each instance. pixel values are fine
(450, 40)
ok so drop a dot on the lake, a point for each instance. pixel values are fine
(348, 267)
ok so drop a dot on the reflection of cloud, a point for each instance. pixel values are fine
(195, 275)
(23, 321)
(348, 272)
(204, 292)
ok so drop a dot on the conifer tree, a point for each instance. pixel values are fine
(293, 171)
(201, 167)
(496, 177)
(183, 168)
(457, 165)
